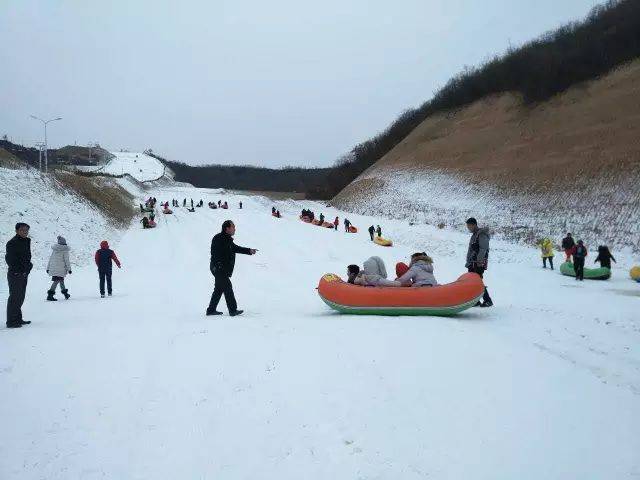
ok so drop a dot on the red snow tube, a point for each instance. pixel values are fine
(447, 299)
(353, 229)
(275, 215)
(328, 225)
(305, 219)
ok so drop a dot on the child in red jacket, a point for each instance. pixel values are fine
(103, 259)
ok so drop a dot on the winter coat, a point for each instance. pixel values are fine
(18, 255)
(59, 264)
(568, 243)
(579, 251)
(604, 257)
(374, 274)
(104, 257)
(547, 248)
(223, 254)
(478, 251)
(420, 273)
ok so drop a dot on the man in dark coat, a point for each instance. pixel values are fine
(478, 255)
(103, 258)
(372, 230)
(18, 258)
(567, 245)
(223, 259)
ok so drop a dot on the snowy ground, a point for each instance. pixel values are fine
(545, 385)
(140, 166)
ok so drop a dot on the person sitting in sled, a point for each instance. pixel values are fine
(419, 272)
(145, 222)
(374, 274)
(604, 257)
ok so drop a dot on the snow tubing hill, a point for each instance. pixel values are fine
(442, 300)
(601, 273)
(382, 241)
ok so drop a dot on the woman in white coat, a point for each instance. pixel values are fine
(58, 268)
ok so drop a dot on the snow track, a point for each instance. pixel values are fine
(142, 385)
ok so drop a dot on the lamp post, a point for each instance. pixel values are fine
(44, 122)
(40, 146)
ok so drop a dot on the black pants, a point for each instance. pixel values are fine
(371, 235)
(223, 286)
(544, 262)
(480, 271)
(103, 276)
(17, 291)
(578, 267)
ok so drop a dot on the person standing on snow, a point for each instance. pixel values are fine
(372, 230)
(478, 255)
(579, 253)
(347, 223)
(567, 245)
(604, 257)
(546, 246)
(336, 222)
(18, 258)
(379, 231)
(223, 259)
(103, 259)
(58, 267)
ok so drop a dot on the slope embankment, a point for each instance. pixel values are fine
(568, 164)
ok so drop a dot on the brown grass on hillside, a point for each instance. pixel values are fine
(109, 197)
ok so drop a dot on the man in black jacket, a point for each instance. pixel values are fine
(18, 258)
(223, 259)
(478, 255)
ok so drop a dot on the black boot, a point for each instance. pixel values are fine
(235, 313)
(50, 297)
(65, 292)
(212, 312)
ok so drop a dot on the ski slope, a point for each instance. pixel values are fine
(140, 166)
(545, 385)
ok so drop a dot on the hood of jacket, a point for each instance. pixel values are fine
(374, 266)
(56, 247)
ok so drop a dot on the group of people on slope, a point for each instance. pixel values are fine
(150, 221)
(377, 231)
(575, 252)
(275, 212)
(19, 266)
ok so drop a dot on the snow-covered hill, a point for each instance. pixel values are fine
(139, 165)
(143, 385)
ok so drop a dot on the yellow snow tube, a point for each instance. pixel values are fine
(635, 273)
(383, 242)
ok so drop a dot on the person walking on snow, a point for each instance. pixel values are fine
(347, 223)
(372, 230)
(579, 253)
(478, 255)
(58, 267)
(336, 222)
(379, 231)
(604, 257)
(104, 256)
(546, 246)
(567, 245)
(18, 258)
(223, 259)
(240, 205)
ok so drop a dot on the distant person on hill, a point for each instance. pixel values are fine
(567, 245)
(321, 219)
(223, 259)
(374, 274)
(184, 202)
(546, 247)
(372, 230)
(419, 273)
(18, 258)
(225, 205)
(58, 267)
(273, 210)
(478, 255)
(336, 222)
(103, 257)
(347, 224)
(579, 253)
(240, 205)
(379, 231)
(278, 214)
(145, 222)
(219, 203)
(192, 203)
(604, 257)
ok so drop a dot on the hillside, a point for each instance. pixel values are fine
(569, 164)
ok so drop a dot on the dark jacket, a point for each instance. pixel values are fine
(18, 255)
(579, 252)
(104, 256)
(223, 254)
(604, 257)
(568, 243)
(478, 251)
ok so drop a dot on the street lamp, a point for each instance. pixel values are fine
(44, 122)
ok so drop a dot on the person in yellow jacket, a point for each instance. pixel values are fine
(546, 247)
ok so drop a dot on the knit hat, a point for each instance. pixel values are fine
(104, 244)
(61, 240)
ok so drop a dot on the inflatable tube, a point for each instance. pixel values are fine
(316, 222)
(328, 225)
(277, 216)
(353, 229)
(442, 300)
(634, 273)
(167, 212)
(601, 273)
(383, 242)
(305, 219)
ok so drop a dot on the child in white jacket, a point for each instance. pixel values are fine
(58, 268)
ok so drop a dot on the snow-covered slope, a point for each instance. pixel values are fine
(140, 166)
(142, 385)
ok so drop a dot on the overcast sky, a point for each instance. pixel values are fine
(272, 83)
